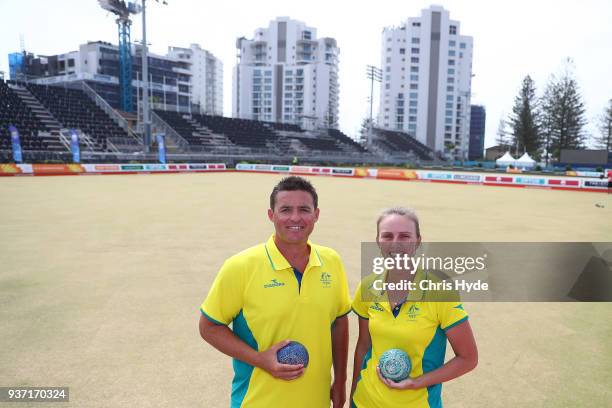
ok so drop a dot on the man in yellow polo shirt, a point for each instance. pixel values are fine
(285, 289)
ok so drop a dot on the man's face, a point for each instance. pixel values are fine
(294, 216)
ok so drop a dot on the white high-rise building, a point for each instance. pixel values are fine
(285, 74)
(206, 77)
(426, 84)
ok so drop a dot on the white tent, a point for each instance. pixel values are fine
(525, 162)
(505, 160)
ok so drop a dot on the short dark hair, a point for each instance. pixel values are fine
(294, 183)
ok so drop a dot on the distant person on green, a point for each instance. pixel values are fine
(285, 289)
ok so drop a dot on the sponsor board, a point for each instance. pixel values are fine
(396, 174)
(56, 168)
(467, 177)
(498, 179)
(132, 167)
(155, 167)
(345, 172)
(300, 169)
(264, 167)
(178, 167)
(217, 166)
(244, 166)
(281, 168)
(198, 167)
(438, 176)
(530, 181)
(104, 167)
(564, 182)
(10, 169)
(596, 183)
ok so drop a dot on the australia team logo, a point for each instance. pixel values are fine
(326, 280)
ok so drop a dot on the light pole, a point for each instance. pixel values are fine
(373, 74)
(146, 111)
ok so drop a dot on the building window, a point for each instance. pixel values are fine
(414, 86)
(268, 73)
(414, 60)
(416, 40)
(412, 103)
(450, 89)
(450, 80)
(414, 50)
(451, 62)
(449, 98)
(412, 111)
(462, 45)
(451, 53)
(414, 69)
(402, 51)
(288, 73)
(451, 71)
(449, 113)
(452, 30)
(414, 95)
(388, 69)
(257, 72)
(388, 59)
(449, 105)
(448, 121)
(416, 24)
(414, 77)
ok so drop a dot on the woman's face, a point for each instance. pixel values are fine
(397, 234)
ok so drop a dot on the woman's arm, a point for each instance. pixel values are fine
(363, 344)
(462, 341)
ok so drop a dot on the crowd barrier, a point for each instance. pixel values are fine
(593, 184)
(87, 169)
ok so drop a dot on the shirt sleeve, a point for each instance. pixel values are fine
(450, 314)
(359, 306)
(226, 296)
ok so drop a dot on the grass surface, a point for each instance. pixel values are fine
(101, 279)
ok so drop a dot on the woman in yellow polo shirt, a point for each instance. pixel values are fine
(404, 319)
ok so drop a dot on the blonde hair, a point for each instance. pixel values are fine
(404, 212)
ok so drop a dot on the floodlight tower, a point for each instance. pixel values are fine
(123, 10)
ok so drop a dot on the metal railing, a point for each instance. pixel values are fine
(105, 106)
(168, 130)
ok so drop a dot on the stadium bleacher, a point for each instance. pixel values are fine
(14, 112)
(74, 109)
(393, 141)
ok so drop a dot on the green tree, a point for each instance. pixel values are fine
(563, 115)
(364, 132)
(503, 138)
(604, 139)
(524, 120)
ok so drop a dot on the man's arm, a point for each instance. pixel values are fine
(340, 332)
(223, 339)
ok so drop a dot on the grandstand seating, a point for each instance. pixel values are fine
(13, 111)
(341, 137)
(401, 142)
(74, 109)
(241, 132)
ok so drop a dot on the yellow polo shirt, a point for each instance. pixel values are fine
(257, 291)
(419, 329)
